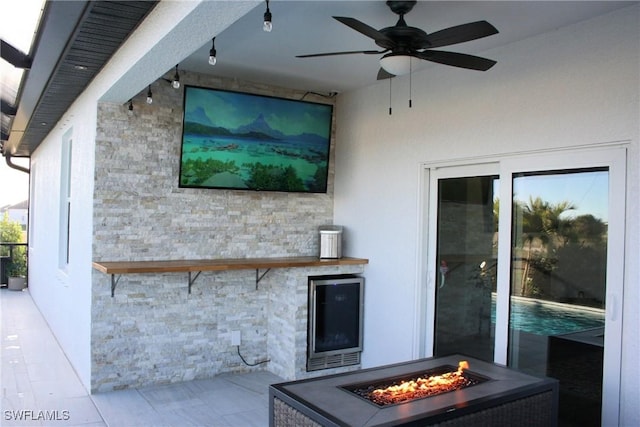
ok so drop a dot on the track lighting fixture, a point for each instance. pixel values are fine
(212, 52)
(176, 79)
(149, 96)
(267, 25)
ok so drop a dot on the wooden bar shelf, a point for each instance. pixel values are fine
(190, 266)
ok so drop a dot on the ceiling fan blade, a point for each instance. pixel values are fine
(461, 60)
(460, 33)
(384, 74)
(366, 52)
(365, 29)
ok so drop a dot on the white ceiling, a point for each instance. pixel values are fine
(246, 52)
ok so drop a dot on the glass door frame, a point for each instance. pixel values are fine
(614, 158)
(431, 175)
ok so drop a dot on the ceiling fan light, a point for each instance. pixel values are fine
(396, 64)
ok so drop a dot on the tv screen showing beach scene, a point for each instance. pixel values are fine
(241, 141)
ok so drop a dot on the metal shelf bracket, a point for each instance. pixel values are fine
(193, 279)
(114, 283)
(260, 276)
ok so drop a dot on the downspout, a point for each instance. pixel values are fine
(7, 157)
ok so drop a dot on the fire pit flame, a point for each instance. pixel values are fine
(420, 387)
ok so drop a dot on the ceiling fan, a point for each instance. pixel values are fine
(401, 43)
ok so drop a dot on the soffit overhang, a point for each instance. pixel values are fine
(75, 39)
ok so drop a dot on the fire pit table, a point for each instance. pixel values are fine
(491, 395)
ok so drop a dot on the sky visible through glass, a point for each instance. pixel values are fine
(587, 191)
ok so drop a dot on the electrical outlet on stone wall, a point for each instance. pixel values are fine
(235, 337)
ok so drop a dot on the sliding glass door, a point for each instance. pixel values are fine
(558, 284)
(525, 265)
(466, 266)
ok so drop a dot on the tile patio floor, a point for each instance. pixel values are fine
(38, 382)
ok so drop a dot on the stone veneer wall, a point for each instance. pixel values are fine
(153, 331)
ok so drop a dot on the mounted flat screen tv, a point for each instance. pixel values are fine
(240, 141)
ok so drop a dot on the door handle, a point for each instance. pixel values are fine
(430, 276)
(612, 307)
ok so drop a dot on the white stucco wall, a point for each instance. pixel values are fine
(578, 85)
(64, 295)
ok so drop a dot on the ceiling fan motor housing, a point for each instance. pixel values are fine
(401, 7)
(404, 38)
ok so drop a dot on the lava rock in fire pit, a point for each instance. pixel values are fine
(416, 386)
